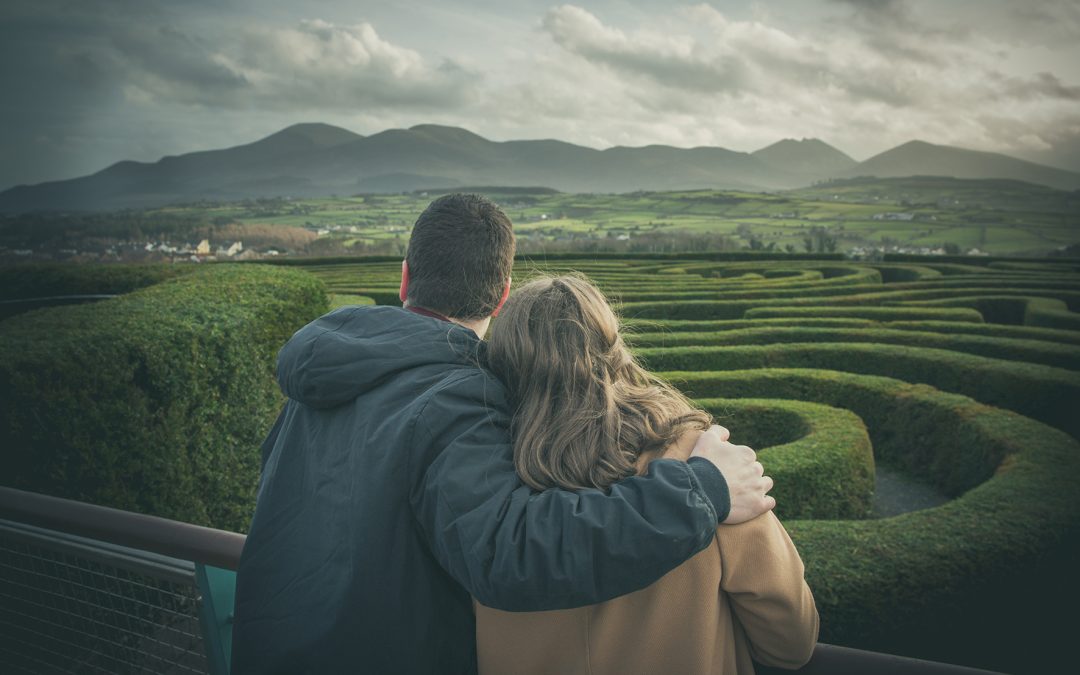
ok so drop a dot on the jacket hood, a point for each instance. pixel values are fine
(347, 352)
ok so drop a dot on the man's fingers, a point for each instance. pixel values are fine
(720, 431)
(758, 469)
(769, 502)
(768, 483)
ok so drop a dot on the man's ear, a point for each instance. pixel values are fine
(404, 291)
(505, 295)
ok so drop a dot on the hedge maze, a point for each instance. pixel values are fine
(155, 401)
(961, 374)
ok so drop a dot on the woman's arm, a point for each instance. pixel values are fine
(763, 576)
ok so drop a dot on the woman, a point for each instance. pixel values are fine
(586, 416)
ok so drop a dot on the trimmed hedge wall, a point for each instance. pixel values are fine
(1011, 349)
(156, 401)
(342, 300)
(1012, 309)
(735, 309)
(991, 330)
(964, 582)
(1041, 392)
(819, 456)
(36, 280)
(874, 313)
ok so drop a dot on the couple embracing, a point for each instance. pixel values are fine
(536, 503)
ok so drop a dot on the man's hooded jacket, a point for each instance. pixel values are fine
(388, 497)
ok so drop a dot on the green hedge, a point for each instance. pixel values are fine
(648, 326)
(902, 273)
(964, 582)
(156, 401)
(735, 309)
(1015, 310)
(858, 291)
(342, 300)
(48, 279)
(1011, 349)
(875, 313)
(819, 457)
(991, 330)
(1044, 393)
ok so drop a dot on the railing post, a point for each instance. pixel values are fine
(218, 589)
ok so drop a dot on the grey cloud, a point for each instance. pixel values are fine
(1056, 144)
(1046, 21)
(1041, 85)
(896, 10)
(580, 33)
(749, 59)
(168, 63)
(318, 65)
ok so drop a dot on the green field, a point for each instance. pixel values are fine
(905, 215)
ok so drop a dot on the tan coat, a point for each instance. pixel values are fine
(743, 597)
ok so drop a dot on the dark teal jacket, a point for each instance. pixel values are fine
(388, 497)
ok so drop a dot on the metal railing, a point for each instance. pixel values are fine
(74, 605)
(89, 589)
(20, 305)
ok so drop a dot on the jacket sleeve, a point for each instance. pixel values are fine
(762, 575)
(519, 550)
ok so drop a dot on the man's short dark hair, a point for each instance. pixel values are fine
(460, 254)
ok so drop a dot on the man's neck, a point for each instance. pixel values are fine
(478, 326)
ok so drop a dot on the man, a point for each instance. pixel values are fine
(389, 496)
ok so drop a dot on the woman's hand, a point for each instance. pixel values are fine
(747, 484)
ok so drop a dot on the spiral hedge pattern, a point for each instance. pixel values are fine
(964, 376)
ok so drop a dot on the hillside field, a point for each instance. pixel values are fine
(996, 217)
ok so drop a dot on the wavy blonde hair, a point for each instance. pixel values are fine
(585, 410)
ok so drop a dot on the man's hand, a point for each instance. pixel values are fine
(744, 474)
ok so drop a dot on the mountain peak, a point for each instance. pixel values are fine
(806, 154)
(921, 158)
(317, 133)
(447, 133)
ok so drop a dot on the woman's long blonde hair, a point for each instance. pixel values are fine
(585, 411)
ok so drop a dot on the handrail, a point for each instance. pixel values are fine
(222, 549)
(836, 660)
(73, 298)
(159, 535)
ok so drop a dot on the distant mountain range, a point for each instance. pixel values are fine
(307, 160)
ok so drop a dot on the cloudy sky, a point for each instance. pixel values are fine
(84, 83)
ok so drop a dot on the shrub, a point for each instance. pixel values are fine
(341, 300)
(991, 330)
(156, 401)
(1013, 309)
(651, 326)
(960, 582)
(1032, 351)
(43, 280)
(875, 313)
(820, 457)
(1041, 392)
